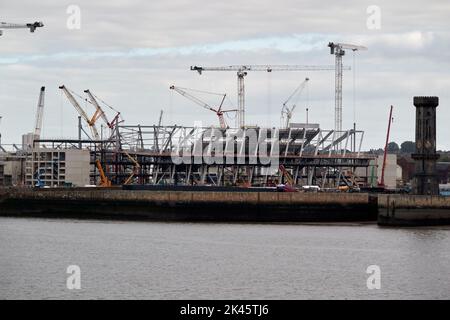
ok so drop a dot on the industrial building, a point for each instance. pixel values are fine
(58, 167)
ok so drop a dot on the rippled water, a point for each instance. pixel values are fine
(147, 260)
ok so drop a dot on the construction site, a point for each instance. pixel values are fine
(308, 157)
(251, 172)
(109, 152)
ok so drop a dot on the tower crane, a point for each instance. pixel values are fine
(100, 113)
(242, 71)
(218, 111)
(39, 114)
(285, 110)
(81, 112)
(338, 49)
(32, 26)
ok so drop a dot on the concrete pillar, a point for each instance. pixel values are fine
(425, 178)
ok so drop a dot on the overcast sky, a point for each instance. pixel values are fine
(128, 52)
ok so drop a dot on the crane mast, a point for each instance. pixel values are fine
(39, 114)
(81, 112)
(338, 49)
(242, 71)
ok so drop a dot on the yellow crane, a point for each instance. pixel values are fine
(287, 176)
(100, 113)
(104, 181)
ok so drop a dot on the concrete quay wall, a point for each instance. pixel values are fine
(413, 210)
(188, 205)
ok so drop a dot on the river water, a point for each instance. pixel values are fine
(147, 260)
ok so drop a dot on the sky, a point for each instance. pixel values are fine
(129, 52)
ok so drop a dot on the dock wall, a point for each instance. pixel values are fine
(413, 210)
(166, 205)
(188, 205)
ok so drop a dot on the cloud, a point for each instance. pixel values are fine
(129, 52)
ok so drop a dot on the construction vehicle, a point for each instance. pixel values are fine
(104, 181)
(219, 112)
(242, 71)
(286, 111)
(32, 26)
(338, 49)
(349, 183)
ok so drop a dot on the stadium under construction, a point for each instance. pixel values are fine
(294, 155)
(305, 154)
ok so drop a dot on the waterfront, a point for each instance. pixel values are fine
(146, 260)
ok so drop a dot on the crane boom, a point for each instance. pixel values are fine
(160, 118)
(32, 26)
(285, 110)
(383, 168)
(104, 181)
(267, 68)
(101, 113)
(98, 109)
(39, 113)
(192, 98)
(81, 112)
(286, 174)
(219, 112)
(241, 71)
(297, 90)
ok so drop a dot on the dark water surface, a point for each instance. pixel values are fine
(146, 260)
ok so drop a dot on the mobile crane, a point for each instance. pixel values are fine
(219, 112)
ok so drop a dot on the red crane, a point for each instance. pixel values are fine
(383, 168)
(219, 112)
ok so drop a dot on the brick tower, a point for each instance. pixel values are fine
(425, 178)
